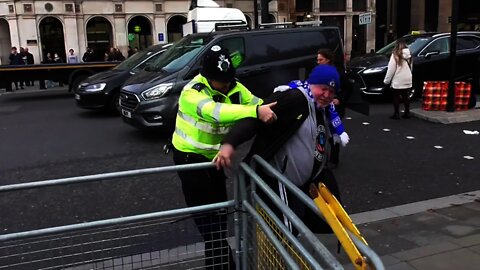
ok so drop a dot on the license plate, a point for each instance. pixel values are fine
(126, 113)
(77, 96)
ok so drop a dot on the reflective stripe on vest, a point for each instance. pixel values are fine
(201, 104)
(254, 101)
(203, 126)
(196, 144)
(216, 112)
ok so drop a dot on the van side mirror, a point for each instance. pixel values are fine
(429, 54)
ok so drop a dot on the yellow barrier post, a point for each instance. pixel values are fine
(339, 221)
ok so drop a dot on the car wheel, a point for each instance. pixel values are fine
(114, 105)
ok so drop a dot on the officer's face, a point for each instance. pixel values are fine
(220, 86)
(323, 94)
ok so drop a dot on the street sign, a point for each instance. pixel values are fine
(365, 18)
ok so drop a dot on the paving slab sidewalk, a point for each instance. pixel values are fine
(443, 238)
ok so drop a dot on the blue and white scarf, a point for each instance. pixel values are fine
(336, 125)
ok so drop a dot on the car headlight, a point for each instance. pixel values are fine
(375, 70)
(93, 87)
(157, 91)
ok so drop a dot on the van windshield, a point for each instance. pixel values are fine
(179, 54)
(133, 60)
(414, 43)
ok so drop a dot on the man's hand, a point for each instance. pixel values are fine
(224, 157)
(336, 101)
(265, 113)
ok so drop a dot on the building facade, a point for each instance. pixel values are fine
(53, 26)
(396, 18)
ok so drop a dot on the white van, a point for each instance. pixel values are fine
(205, 19)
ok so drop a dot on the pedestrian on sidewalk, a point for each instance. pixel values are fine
(399, 77)
(325, 56)
(16, 58)
(72, 58)
(48, 60)
(30, 61)
(296, 143)
(209, 105)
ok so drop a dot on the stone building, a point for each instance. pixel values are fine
(58, 25)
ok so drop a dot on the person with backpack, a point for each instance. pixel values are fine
(399, 77)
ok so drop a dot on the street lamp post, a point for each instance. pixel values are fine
(255, 14)
(453, 56)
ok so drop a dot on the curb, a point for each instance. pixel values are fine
(413, 208)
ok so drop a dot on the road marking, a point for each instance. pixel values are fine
(416, 207)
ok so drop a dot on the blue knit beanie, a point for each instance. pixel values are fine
(326, 75)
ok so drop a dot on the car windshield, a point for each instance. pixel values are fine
(133, 60)
(179, 54)
(414, 43)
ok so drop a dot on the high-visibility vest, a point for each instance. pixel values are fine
(206, 115)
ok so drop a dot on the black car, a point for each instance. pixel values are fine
(102, 90)
(265, 58)
(431, 62)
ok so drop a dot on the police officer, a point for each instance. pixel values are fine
(208, 107)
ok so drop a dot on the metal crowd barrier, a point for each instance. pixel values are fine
(169, 239)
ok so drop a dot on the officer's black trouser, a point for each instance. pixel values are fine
(202, 187)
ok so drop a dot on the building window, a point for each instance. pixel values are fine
(118, 8)
(27, 8)
(10, 9)
(360, 5)
(303, 6)
(69, 7)
(48, 7)
(229, 5)
(77, 8)
(332, 5)
(158, 7)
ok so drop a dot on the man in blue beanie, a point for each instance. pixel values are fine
(296, 144)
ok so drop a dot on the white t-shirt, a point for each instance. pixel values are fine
(72, 58)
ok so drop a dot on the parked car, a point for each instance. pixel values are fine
(266, 58)
(431, 61)
(102, 90)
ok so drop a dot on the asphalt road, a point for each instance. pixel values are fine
(44, 135)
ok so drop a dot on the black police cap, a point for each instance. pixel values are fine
(217, 65)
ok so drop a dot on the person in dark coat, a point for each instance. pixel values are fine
(88, 56)
(118, 56)
(130, 51)
(16, 59)
(296, 144)
(326, 57)
(30, 61)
